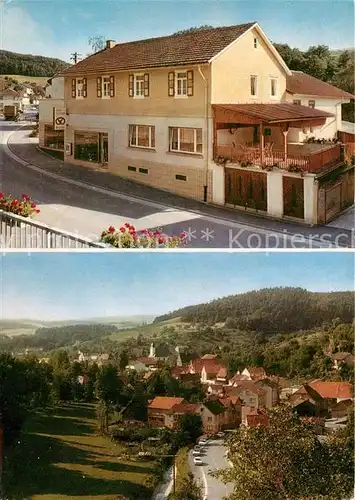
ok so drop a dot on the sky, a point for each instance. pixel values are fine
(56, 286)
(57, 28)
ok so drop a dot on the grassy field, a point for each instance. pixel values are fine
(60, 456)
(39, 80)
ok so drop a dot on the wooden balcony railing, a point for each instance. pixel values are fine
(312, 162)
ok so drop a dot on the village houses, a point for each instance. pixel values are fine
(215, 115)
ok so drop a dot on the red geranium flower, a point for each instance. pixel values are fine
(111, 229)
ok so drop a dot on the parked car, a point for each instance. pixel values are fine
(220, 434)
(196, 453)
(197, 460)
(203, 442)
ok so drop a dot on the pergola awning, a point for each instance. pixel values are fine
(292, 115)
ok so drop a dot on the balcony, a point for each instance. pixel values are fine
(302, 158)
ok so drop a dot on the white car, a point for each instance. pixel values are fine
(203, 442)
(197, 460)
(220, 434)
(196, 453)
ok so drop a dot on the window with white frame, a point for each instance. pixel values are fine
(138, 85)
(253, 85)
(79, 87)
(142, 136)
(273, 87)
(181, 83)
(185, 140)
(105, 89)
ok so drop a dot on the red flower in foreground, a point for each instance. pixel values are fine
(37, 211)
(111, 229)
(122, 229)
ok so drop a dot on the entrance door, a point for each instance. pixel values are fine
(293, 197)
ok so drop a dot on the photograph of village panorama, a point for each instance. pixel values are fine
(198, 123)
(179, 376)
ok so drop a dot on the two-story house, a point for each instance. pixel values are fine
(209, 115)
(165, 411)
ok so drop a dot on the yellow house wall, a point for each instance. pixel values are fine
(157, 104)
(232, 69)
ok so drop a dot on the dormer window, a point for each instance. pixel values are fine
(256, 42)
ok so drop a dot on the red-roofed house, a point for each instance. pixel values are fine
(249, 393)
(254, 417)
(333, 392)
(187, 112)
(160, 411)
(221, 413)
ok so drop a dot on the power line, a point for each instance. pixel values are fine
(75, 56)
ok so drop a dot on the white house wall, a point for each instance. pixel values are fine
(118, 129)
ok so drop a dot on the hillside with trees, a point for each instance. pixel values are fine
(56, 337)
(271, 310)
(12, 63)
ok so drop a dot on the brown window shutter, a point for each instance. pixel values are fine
(99, 86)
(130, 85)
(112, 86)
(146, 84)
(190, 83)
(85, 87)
(73, 88)
(171, 84)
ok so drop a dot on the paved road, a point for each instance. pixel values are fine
(213, 459)
(68, 202)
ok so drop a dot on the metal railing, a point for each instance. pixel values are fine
(22, 232)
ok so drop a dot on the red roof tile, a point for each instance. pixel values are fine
(301, 83)
(164, 403)
(257, 418)
(175, 50)
(183, 408)
(333, 390)
(274, 113)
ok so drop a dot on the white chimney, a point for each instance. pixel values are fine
(110, 44)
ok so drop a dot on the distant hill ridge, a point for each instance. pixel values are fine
(271, 310)
(12, 63)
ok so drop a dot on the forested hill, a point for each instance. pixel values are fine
(271, 310)
(12, 63)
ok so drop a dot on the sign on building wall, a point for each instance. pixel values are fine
(59, 118)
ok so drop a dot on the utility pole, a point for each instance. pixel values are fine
(74, 57)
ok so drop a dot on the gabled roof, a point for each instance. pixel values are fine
(301, 83)
(245, 385)
(209, 356)
(257, 418)
(148, 361)
(164, 403)
(215, 406)
(305, 392)
(256, 372)
(185, 408)
(10, 92)
(333, 390)
(175, 50)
